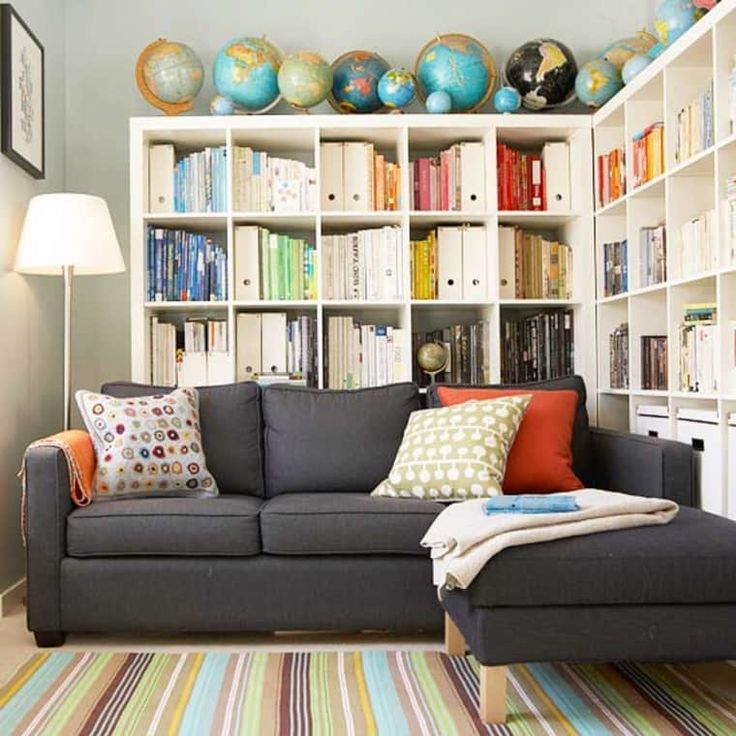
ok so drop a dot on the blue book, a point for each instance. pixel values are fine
(530, 504)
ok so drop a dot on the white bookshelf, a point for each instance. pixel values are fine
(405, 137)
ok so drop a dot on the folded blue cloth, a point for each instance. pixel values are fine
(529, 504)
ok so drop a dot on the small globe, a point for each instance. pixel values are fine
(355, 78)
(619, 52)
(459, 65)
(597, 82)
(432, 357)
(543, 71)
(439, 103)
(673, 18)
(635, 65)
(246, 70)
(397, 89)
(507, 99)
(169, 75)
(305, 79)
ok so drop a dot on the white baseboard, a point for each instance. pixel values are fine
(12, 597)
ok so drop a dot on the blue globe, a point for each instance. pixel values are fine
(439, 103)
(246, 71)
(635, 65)
(507, 99)
(397, 89)
(673, 18)
(597, 82)
(220, 105)
(355, 78)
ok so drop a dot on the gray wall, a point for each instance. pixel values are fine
(31, 306)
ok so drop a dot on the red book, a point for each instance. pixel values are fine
(424, 196)
(445, 180)
(516, 200)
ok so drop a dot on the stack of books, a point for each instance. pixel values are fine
(362, 355)
(163, 353)
(184, 266)
(611, 168)
(468, 348)
(538, 346)
(365, 265)
(699, 252)
(532, 267)
(653, 255)
(654, 363)
(618, 356)
(698, 337)
(731, 219)
(263, 183)
(615, 268)
(695, 130)
(424, 267)
(648, 154)
(453, 181)
(272, 266)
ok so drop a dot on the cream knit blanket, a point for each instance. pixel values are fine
(463, 539)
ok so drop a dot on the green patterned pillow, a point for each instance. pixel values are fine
(456, 452)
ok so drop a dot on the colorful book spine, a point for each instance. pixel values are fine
(521, 177)
(611, 176)
(615, 268)
(695, 132)
(200, 181)
(648, 154)
(619, 357)
(654, 363)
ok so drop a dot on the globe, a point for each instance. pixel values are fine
(397, 89)
(305, 79)
(459, 65)
(432, 358)
(673, 18)
(619, 52)
(439, 103)
(355, 78)
(169, 75)
(635, 65)
(220, 105)
(543, 71)
(507, 99)
(597, 82)
(246, 70)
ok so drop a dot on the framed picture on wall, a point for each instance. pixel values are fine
(22, 73)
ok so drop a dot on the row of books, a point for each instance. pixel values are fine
(453, 181)
(184, 266)
(355, 177)
(648, 154)
(611, 175)
(618, 356)
(653, 255)
(265, 183)
(450, 263)
(695, 130)
(731, 219)
(698, 339)
(615, 268)
(205, 335)
(272, 266)
(273, 346)
(654, 363)
(532, 267)
(365, 265)
(362, 355)
(699, 251)
(538, 346)
(467, 348)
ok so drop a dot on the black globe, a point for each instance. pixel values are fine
(544, 72)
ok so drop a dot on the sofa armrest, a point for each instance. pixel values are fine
(48, 503)
(645, 466)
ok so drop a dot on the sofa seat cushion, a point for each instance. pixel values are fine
(345, 523)
(186, 527)
(690, 560)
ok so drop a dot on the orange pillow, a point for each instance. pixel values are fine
(540, 460)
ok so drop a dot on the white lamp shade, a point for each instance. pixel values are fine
(68, 230)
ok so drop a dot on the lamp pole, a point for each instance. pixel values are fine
(68, 275)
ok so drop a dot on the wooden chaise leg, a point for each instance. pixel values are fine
(493, 694)
(454, 640)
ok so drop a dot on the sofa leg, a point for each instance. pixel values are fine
(493, 694)
(454, 640)
(46, 639)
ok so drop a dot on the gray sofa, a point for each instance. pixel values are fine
(295, 542)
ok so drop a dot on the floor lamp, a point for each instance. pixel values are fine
(68, 235)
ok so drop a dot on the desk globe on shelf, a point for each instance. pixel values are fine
(305, 79)
(460, 66)
(355, 77)
(246, 71)
(619, 52)
(432, 358)
(598, 81)
(397, 89)
(507, 99)
(673, 18)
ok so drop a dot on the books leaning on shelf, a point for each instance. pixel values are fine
(618, 356)
(695, 126)
(453, 181)
(362, 355)
(699, 251)
(731, 219)
(263, 183)
(653, 255)
(531, 267)
(358, 179)
(271, 346)
(538, 346)
(273, 267)
(648, 154)
(615, 268)
(184, 266)
(366, 265)
(654, 363)
(698, 336)
(450, 263)
(468, 348)
(611, 173)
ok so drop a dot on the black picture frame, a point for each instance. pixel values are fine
(9, 74)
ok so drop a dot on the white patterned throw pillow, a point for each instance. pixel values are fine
(456, 452)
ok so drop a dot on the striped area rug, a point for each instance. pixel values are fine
(352, 694)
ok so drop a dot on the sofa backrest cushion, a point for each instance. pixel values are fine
(232, 434)
(582, 457)
(333, 441)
